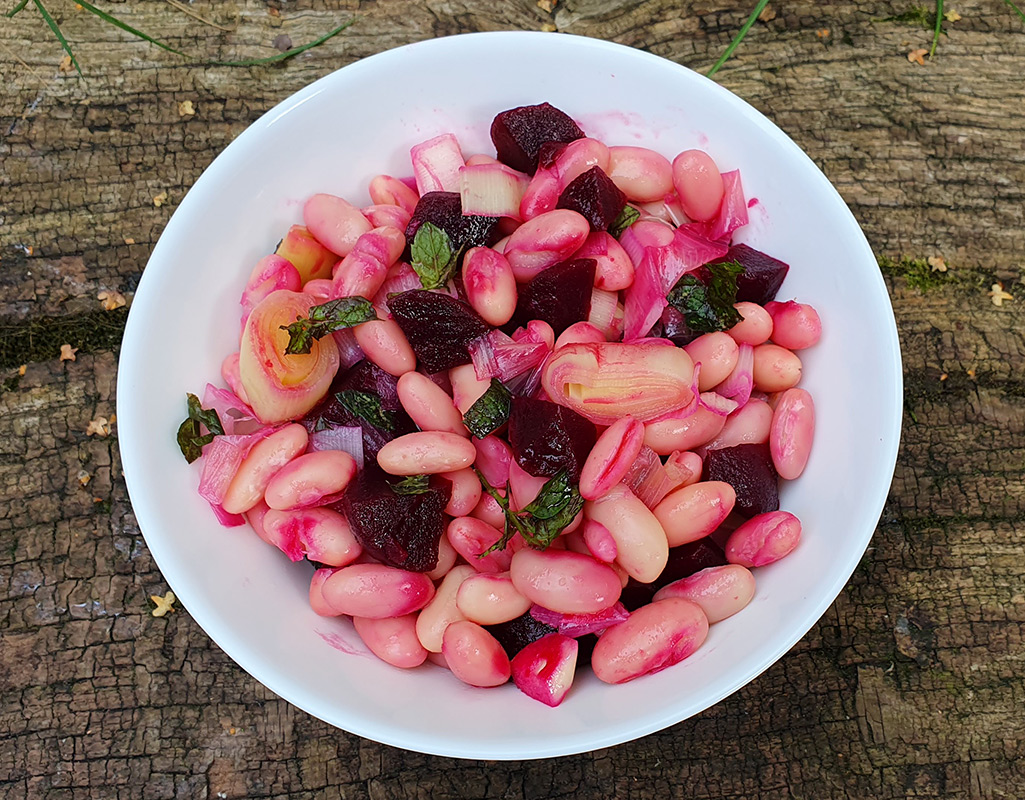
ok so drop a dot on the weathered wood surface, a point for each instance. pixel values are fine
(910, 686)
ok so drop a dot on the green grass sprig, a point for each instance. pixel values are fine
(738, 38)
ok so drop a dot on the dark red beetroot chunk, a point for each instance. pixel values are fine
(439, 328)
(763, 274)
(748, 469)
(594, 196)
(548, 153)
(546, 437)
(363, 376)
(517, 633)
(559, 295)
(445, 210)
(683, 561)
(672, 325)
(400, 530)
(519, 133)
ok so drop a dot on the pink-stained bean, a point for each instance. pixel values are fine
(334, 222)
(643, 175)
(764, 539)
(641, 545)
(575, 543)
(307, 479)
(614, 270)
(683, 433)
(465, 493)
(322, 534)
(651, 233)
(488, 510)
(490, 599)
(717, 353)
(599, 540)
(471, 538)
(541, 195)
(478, 159)
(254, 517)
(363, 271)
(579, 332)
(392, 640)
(624, 576)
(474, 655)
(579, 156)
(698, 184)
(791, 433)
(490, 285)
(755, 327)
(427, 404)
(545, 240)
(467, 388)
(749, 424)
(387, 215)
(376, 591)
(317, 602)
(611, 457)
(386, 190)
(442, 610)
(776, 369)
(321, 288)
(437, 659)
(795, 326)
(683, 468)
(720, 591)
(426, 453)
(264, 460)
(693, 512)
(447, 557)
(499, 246)
(569, 583)
(537, 330)
(655, 636)
(523, 487)
(231, 376)
(494, 459)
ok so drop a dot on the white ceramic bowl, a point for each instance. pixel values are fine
(333, 136)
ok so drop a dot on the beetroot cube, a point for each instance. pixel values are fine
(684, 560)
(519, 133)
(517, 633)
(439, 327)
(749, 470)
(762, 276)
(445, 210)
(559, 295)
(594, 196)
(546, 437)
(548, 153)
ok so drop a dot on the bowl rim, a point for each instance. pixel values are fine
(221, 633)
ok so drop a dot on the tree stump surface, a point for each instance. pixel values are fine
(911, 685)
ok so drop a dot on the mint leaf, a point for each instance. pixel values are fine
(414, 484)
(190, 438)
(490, 411)
(433, 257)
(627, 217)
(367, 407)
(541, 522)
(345, 312)
(708, 307)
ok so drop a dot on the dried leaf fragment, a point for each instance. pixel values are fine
(998, 295)
(84, 477)
(951, 16)
(918, 56)
(768, 14)
(111, 300)
(937, 264)
(68, 352)
(129, 240)
(161, 198)
(65, 65)
(547, 5)
(822, 33)
(186, 109)
(98, 427)
(164, 604)
(549, 27)
(22, 369)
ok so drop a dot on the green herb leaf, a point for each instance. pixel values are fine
(627, 217)
(490, 411)
(433, 257)
(708, 308)
(335, 315)
(541, 522)
(367, 407)
(190, 438)
(414, 484)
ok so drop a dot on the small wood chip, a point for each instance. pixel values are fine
(129, 240)
(65, 66)
(84, 477)
(273, 12)
(951, 16)
(98, 427)
(161, 198)
(549, 27)
(186, 109)
(918, 56)
(768, 14)
(68, 352)
(998, 295)
(822, 33)
(937, 264)
(111, 300)
(22, 369)
(164, 604)
(547, 5)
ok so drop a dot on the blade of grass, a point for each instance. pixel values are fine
(126, 27)
(186, 10)
(936, 30)
(1014, 8)
(739, 37)
(57, 32)
(17, 8)
(255, 62)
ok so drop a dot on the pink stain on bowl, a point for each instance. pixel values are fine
(338, 642)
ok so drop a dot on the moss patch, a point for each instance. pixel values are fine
(41, 339)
